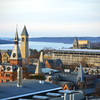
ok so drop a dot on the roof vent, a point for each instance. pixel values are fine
(40, 97)
(51, 72)
(42, 82)
(54, 94)
(19, 77)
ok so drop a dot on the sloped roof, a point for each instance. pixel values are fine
(24, 32)
(16, 36)
(75, 40)
(9, 90)
(80, 74)
(55, 62)
(9, 52)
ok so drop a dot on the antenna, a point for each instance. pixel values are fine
(16, 27)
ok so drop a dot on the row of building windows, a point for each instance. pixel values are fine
(76, 53)
(7, 75)
(23, 39)
(89, 85)
(7, 80)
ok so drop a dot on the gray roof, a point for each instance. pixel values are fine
(30, 87)
(55, 63)
(24, 32)
(9, 52)
(16, 36)
(78, 51)
(75, 40)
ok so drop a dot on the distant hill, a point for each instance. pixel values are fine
(6, 41)
(95, 45)
(66, 40)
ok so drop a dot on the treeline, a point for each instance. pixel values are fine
(95, 45)
(36, 53)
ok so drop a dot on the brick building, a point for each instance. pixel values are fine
(7, 69)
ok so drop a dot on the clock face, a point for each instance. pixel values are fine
(8, 68)
(22, 43)
(14, 55)
(19, 55)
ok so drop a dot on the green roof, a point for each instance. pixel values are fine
(24, 32)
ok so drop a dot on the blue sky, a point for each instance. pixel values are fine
(50, 18)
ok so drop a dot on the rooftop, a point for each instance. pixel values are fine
(79, 50)
(9, 90)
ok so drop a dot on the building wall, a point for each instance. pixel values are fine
(24, 47)
(5, 76)
(69, 58)
(5, 57)
(83, 43)
(15, 62)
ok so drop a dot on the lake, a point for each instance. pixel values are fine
(38, 45)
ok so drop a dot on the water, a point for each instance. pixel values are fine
(38, 45)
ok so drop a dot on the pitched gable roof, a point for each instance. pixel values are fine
(24, 32)
(75, 40)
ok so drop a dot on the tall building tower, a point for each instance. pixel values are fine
(16, 58)
(24, 43)
(75, 43)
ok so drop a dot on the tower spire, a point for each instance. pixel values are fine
(16, 27)
(16, 58)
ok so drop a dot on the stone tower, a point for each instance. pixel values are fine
(16, 58)
(75, 43)
(80, 76)
(24, 43)
(38, 70)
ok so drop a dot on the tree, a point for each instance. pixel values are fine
(39, 77)
(25, 74)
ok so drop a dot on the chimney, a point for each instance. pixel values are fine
(19, 76)
(41, 58)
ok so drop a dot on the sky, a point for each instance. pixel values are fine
(50, 18)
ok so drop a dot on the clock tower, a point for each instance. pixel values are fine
(16, 58)
(24, 43)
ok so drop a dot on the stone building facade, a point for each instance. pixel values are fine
(77, 56)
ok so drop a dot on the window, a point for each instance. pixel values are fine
(2, 74)
(7, 75)
(7, 80)
(26, 39)
(22, 39)
(2, 81)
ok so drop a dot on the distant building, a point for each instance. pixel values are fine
(81, 44)
(77, 56)
(6, 56)
(24, 43)
(48, 56)
(75, 43)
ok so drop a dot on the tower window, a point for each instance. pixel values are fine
(14, 55)
(22, 39)
(26, 39)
